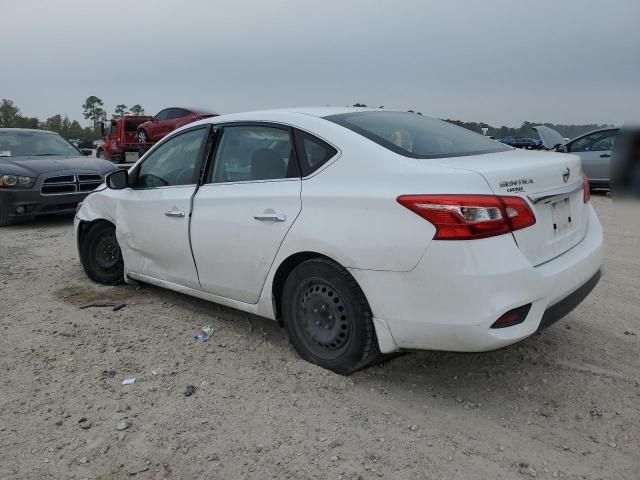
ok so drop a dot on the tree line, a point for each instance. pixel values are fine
(92, 109)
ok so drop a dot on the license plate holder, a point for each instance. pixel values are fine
(561, 215)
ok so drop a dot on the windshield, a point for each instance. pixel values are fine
(417, 136)
(27, 143)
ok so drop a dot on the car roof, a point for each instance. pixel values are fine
(318, 112)
(328, 110)
(597, 130)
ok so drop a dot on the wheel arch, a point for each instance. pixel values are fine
(384, 337)
(283, 271)
(85, 225)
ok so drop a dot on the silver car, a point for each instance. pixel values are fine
(593, 148)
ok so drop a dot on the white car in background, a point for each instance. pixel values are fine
(363, 231)
(594, 149)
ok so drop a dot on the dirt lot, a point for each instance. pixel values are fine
(562, 404)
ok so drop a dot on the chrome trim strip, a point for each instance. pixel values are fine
(550, 195)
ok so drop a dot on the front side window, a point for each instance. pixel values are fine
(173, 162)
(248, 153)
(596, 142)
(177, 113)
(417, 136)
(163, 115)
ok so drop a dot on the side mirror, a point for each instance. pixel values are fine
(102, 129)
(117, 180)
(561, 148)
(87, 152)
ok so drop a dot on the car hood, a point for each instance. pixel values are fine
(550, 137)
(34, 166)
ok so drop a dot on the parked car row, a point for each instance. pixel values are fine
(522, 142)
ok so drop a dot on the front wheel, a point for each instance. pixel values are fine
(328, 317)
(100, 255)
(4, 217)
(100, 154)
(142, 137)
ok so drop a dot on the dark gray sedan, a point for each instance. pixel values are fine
(43, 174)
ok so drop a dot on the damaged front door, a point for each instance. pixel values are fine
(153, 216)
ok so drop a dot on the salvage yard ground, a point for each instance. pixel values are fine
(562, 404)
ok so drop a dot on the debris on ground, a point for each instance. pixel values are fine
(115, 305)
(190, 390)
(203, 333)
(122, 425)
(84, 423)
(129, 381)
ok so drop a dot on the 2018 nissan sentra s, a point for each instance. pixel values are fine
(41, 173)
(362, 231)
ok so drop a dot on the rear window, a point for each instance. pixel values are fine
(417, 136)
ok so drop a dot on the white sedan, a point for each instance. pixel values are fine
(362, 231)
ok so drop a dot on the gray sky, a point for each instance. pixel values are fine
(500, 61)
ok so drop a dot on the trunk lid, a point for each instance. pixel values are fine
(552, 185)
(550, 137)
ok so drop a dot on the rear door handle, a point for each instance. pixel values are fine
(274, 217)
(174, 213)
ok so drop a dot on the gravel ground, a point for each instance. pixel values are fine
(562, 404)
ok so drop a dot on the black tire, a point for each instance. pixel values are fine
(4, 217)
(328, 318)
(100, 255)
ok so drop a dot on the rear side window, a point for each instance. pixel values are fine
(417, 136)
(312, 152)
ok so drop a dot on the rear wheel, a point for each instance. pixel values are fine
(100, 254)
(328, 318)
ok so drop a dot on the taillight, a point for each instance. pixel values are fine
(467, 217)
(586, 190)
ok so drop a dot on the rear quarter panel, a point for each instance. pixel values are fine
(349, 208)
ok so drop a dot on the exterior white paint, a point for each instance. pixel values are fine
(424, 294)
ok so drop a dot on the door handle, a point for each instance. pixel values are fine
(174, 213)
(274, 217)
(605, 155)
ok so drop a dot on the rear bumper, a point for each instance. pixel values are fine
(566, 305)
(459, 289)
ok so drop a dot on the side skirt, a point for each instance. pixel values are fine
(245, 307)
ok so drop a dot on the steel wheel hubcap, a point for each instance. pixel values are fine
(324, 316)
(107, 252)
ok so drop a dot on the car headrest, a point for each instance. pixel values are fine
(266, 164)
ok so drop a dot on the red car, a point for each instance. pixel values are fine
(168, 120)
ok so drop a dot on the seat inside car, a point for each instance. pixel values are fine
(266, 164)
